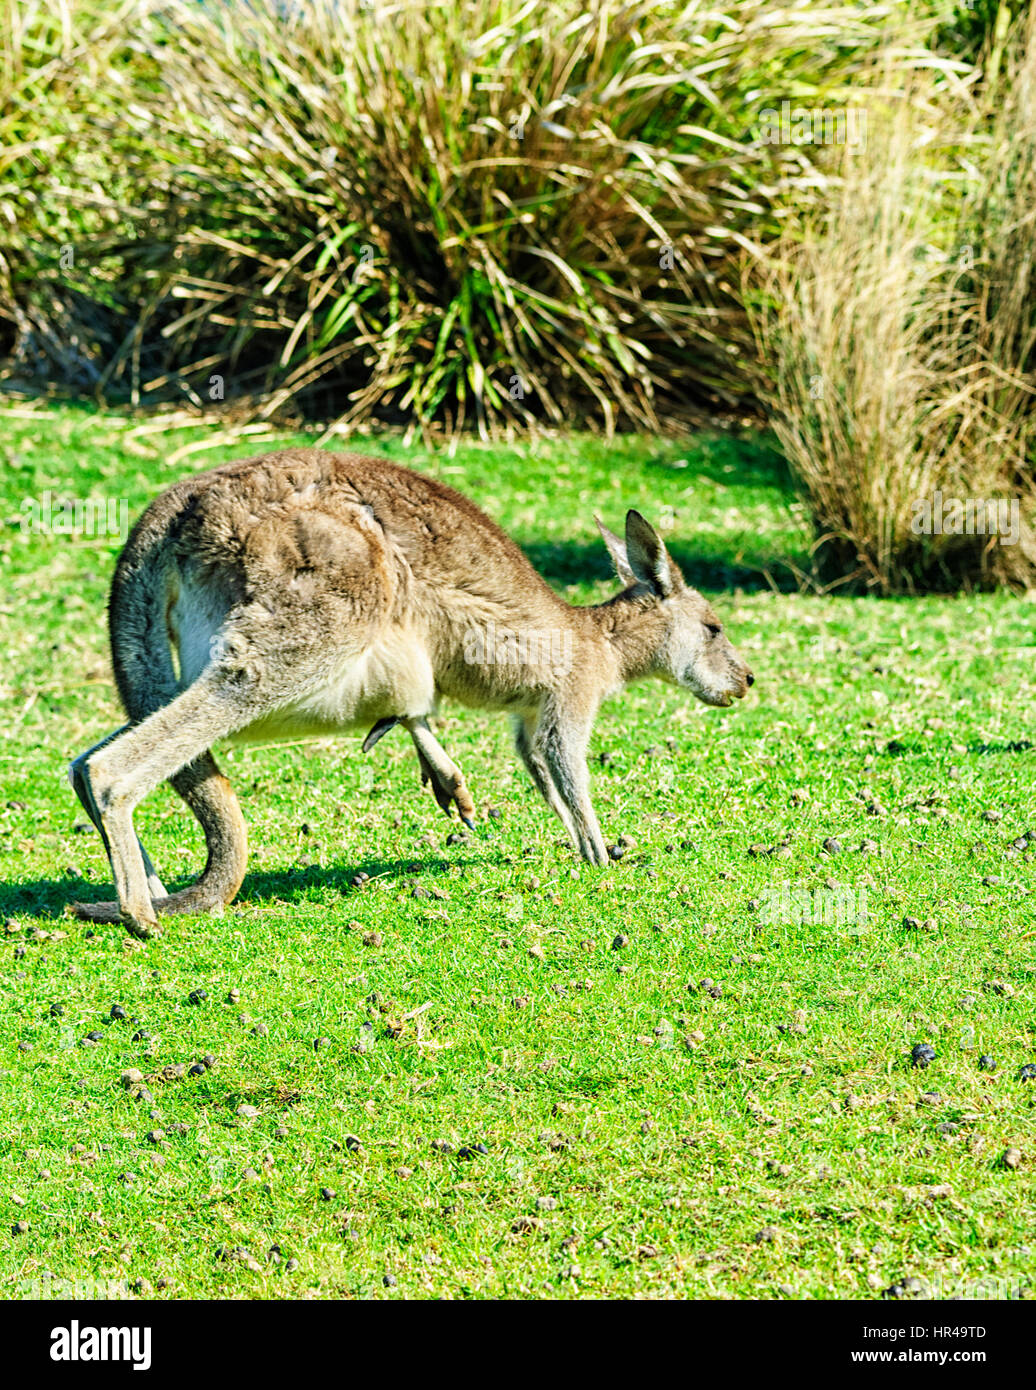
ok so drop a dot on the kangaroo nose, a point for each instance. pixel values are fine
(749, 678)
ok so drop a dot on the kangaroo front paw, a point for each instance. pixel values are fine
(594, 853)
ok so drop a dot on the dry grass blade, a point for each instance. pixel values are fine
(895, 331)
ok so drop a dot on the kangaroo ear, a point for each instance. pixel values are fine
(648, 558)
(617, 550)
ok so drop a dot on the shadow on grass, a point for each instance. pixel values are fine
(583, 562)
(725, 460)
(897, 749)
(745, 460)
(48, 898)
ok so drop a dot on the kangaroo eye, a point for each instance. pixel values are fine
(713, 629)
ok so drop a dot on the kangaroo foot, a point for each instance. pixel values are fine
(449, 789)
(111, 912)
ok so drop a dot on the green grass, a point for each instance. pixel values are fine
(576, 1065)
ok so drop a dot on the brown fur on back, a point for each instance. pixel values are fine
(350, 541)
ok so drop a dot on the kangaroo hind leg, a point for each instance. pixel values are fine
(81, 786)
(119, 774)
(211, 798)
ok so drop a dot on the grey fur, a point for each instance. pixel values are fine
(307, 592)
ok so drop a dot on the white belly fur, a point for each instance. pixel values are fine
(392, 677)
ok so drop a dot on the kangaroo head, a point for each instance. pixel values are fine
(690, 649)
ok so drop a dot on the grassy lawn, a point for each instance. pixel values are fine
(490, 1072)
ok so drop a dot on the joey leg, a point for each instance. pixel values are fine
(448, 785)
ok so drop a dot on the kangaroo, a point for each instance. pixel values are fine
(305, 592)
